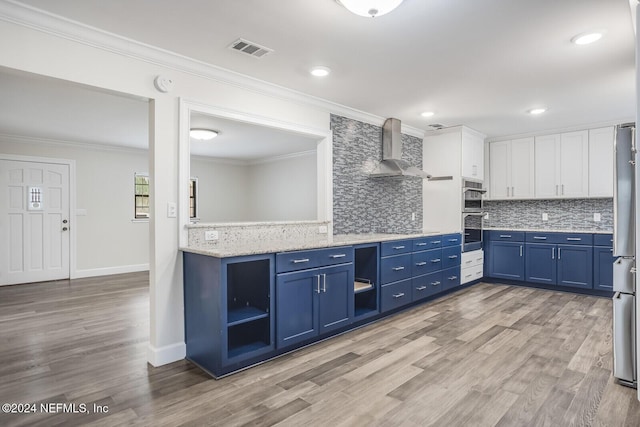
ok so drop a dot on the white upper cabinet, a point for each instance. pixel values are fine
(472, 155)
(601, 162)
(511, 169)
(562, 165)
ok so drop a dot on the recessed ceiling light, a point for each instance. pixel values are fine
(587, 38)
(203, 134)
(320, 71)
(536, 111)
(427, 114)
(370, 8)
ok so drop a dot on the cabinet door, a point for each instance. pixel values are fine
(574, 164)
(296, 306)
(336, 297)
(522, 157)
(472, 156)
(547, 166)
(603, 268)
(575, 266)
(540, 263)
(506, 260)
(601, 162)
(499, 159)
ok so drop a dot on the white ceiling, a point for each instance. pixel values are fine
(479, 63)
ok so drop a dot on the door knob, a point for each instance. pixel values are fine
(64, 221)
(64, 228)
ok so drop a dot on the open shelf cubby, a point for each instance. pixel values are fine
(366, 286)
(247, 337)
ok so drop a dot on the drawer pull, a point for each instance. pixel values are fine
(505, 236)
(421, 288)
(400, 295)
(574, 239)
(421, 244)
(398, 268)
(610, 250)
(435, 260)
(298, 261)
(479, 259)
(436, 242)
(469, 261)
(467, 275)
(453, 240)
(539, 238)
(452, 277)
(453, 256)
(398, 247)
(435, 283)
(337, 256)
(420, 264)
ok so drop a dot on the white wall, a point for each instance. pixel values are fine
(284, 189)
(107, 241)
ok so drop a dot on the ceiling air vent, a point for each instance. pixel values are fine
(437, 126)
(250, 48)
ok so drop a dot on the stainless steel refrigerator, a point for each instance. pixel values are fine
(624, 299)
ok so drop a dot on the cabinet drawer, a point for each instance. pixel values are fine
(426, 243)
(426, 285)
(426, 262)
(452, 239)
(451, 256)
(508, 236)
(301, 260)
(559, 238)
(395, 295)
(603, 240)
(395, 268)
(470, 274)
(472, 258)
(451, 278)
(396, 247)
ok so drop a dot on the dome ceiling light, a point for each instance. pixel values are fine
(203, 134)
(370, 8)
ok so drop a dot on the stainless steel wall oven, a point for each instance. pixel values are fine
(472, 215)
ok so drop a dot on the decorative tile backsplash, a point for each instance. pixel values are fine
(566, 214)
(372, 205)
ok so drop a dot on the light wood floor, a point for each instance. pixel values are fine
(488, 355)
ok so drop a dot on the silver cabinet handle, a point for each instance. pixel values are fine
(556, 189)
(435, 283)
(338, 256)
(436, 242)
(469, 261)
(505, 236)
(400, 295)
(507, 191)
(435, 260)
(298, 261)
(421, 288)
(559, 253)
(420, 264)
(563, 189)
(421, 244)
(324, 283)
(453, 240)
(574, 239)
(539, 238)
(453, 256)
(478, 259)
(398, 247)
(452, 277)
(611, 250)
(467, 275)
(520, 250)
(553, 253)
(318, 277)
(513, 191)
(398, 268)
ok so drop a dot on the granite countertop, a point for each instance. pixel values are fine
(253, 248)
(548, 230)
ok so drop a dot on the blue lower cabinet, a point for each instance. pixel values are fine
(540, 263)
(450, 278)
(426, 262)
(426, 285)
(312, 302)
(506, 260)
(603, 268)
(451, 256)
(395, 295)
(575, 266)
(394, 268)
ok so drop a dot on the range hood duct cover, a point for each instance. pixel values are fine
(392, 164)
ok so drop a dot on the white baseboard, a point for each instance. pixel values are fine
(106, 271)
(167, 354)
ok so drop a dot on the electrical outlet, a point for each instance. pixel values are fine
(545, 217)
(486, 215)
(323, 229)
(413, 216)
(597, 217)
(210, 235)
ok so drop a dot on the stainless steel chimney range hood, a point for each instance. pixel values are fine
(392, 164)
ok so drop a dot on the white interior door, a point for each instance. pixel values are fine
(34, 222)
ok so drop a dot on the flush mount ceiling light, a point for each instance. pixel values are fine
(588, 38)
(370, 8)
(203, 134)
(427, 114)
(536, 111)
(320, 71)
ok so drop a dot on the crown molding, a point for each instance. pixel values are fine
(59, 26)
(282, 157)
(561, 130)
(21, 139)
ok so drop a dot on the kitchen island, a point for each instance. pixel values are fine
(246, 303)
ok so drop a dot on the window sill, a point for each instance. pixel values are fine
(140, 220)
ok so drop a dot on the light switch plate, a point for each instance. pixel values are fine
(597, 217)
(545, 217)
(172, 210)
(211, 235)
